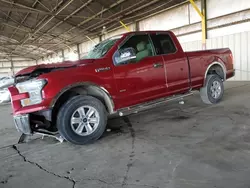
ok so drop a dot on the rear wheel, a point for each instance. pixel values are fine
(82, 120)
(213, 90)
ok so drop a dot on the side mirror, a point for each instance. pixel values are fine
(126, 55)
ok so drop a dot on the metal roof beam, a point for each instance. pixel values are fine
(89, 19)
(65, 19)
(48, 13)
(48, 20)
(28, 30)
(127, 13)
(124, 10)
(19, 5)
(43, 5)
(23, 20)
(29, 10)
(31, 43)
(44, 23)
(7, 17)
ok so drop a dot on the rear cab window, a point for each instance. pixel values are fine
(163, 43)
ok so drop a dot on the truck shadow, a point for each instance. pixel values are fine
(126, 125)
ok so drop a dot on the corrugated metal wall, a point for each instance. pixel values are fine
(6, 68)
(239, 44)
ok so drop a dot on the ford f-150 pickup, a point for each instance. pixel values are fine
(122, 75)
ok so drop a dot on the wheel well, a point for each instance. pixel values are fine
(94, 91)
(216, 69)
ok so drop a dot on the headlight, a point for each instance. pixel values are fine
(34, 88)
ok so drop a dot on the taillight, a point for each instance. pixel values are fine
(232, 58)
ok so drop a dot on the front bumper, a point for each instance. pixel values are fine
(22, 123)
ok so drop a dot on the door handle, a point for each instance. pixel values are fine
(158, 65)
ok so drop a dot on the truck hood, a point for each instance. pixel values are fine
(53, 66)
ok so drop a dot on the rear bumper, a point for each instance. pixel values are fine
(22, 123)
(230, 74)
(233, 73)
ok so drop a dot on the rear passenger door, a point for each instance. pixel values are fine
(176, 64)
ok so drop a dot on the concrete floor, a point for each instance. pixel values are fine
(191, 145)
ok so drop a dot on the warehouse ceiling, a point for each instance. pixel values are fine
(36, 28)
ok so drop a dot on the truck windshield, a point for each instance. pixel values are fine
(101, 49)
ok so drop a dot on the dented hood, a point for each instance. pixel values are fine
(51, 66)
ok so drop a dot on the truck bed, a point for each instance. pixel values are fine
(199, 61)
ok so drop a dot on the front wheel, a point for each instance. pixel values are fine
(213, 90)
(82, 120)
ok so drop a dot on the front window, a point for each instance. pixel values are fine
(135, 49)
(102, 48)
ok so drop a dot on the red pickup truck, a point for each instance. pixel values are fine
(122, 75)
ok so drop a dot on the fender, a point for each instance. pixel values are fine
(107, 97)
(216, 63)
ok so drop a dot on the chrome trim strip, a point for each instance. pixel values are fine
(216, 63)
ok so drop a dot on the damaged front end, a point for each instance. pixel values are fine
(30, 108)
(36, 123)
(34, 72)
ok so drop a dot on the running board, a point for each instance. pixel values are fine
(149, 105)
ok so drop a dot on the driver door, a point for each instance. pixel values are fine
(141, 78)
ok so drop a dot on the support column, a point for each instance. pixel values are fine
(12, 66)
(203, 16)
(63, 57)
(204, 23)
(137, 26)
(78, 51)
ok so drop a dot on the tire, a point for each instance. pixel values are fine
(70, 114)
(207, 93)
